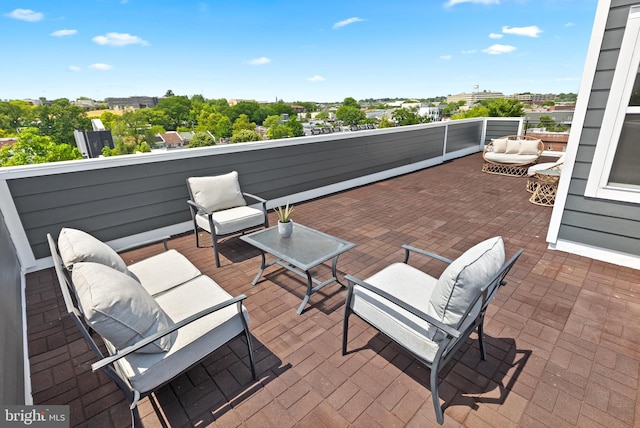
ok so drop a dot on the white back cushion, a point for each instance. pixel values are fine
(78, 246)
(118, 308)
(499, 145)
(217, 192)
(529, 147)
(461, 281)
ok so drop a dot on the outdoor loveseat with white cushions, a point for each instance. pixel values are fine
(511, 155)
(431, 317)
(157, 317)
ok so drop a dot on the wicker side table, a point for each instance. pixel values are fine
(546, 189)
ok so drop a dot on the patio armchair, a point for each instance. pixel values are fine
(511, 155)
(431, 317)
(532, 182)
(157, 318)
(218, 206)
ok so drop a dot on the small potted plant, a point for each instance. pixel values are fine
(285, 225)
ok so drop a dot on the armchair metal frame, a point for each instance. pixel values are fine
(454, 336)
(200, 210)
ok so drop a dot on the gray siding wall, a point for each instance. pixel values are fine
(116, 202)
(601, 223)
(11, 346)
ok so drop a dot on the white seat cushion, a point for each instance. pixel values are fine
(78, 246)
(217, 192)
(514, 158)
(164, 271)
(193, 342)
(545, 165)
(232, 220)
(461, 282)
(118, 308)
(409, 285)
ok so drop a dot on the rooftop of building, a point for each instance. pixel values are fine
(562, 336)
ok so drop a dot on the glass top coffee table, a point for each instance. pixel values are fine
(305, 249)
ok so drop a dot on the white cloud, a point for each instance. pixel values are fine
(74, 68)
(26, 15)
(569, 24)
(316, 78)
(531, 31)
(346, 22)
(495, 36)
(119, 39)
(259, 61)
(499, 49)
(446, 57)
(450, 3)
(62, 33)
(469, 51)
(101, 67)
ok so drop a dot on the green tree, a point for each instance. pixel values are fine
(33, 148)
(275, 127)
(407, 116)
(126, 146)
(350, 115)
(244, 135)
(251, 109)
(207, 121)
(60, 119)
(242, 122)
(351, 102)
(323, 115)
(177, 109)
(386, 123)
(224, 128)
(202, 139)
(15, 114)
(294, 128)
(109, 119)
(503, 107)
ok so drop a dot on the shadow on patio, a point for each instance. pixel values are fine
(562, 338)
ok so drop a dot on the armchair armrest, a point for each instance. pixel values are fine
(409, 248)
(199, 207)
(142, 343)
(448, 330)
(255, 198)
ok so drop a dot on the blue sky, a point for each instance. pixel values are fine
(292, 50)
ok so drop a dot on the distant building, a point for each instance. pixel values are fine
(533, 98)
(474, 97)
(131, 102)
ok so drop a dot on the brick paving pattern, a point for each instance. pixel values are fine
(563, 340)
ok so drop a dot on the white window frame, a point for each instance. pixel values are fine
(614, 115)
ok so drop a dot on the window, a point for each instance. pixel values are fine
(614, 172)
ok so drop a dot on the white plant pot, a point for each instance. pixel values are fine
(285, 229)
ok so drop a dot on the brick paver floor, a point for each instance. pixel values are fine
(563, 335)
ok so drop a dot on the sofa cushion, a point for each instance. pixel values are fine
(164, 271)
(510, 159)
(513, 147)
(529, 147)
(78, 246)
(217, 192)
(118, 308)
(500, 145)
(232, 220)
(462, 280)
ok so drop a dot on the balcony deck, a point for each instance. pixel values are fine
(563, 337)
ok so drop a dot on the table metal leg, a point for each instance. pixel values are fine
(305, 300)
(262, 268)
(334, 271)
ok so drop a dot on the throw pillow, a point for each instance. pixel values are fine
(78, 246)
(513, 146)
(529, 147)
(462, 280)
(118, 308)
(500, 145)
(217, 192)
